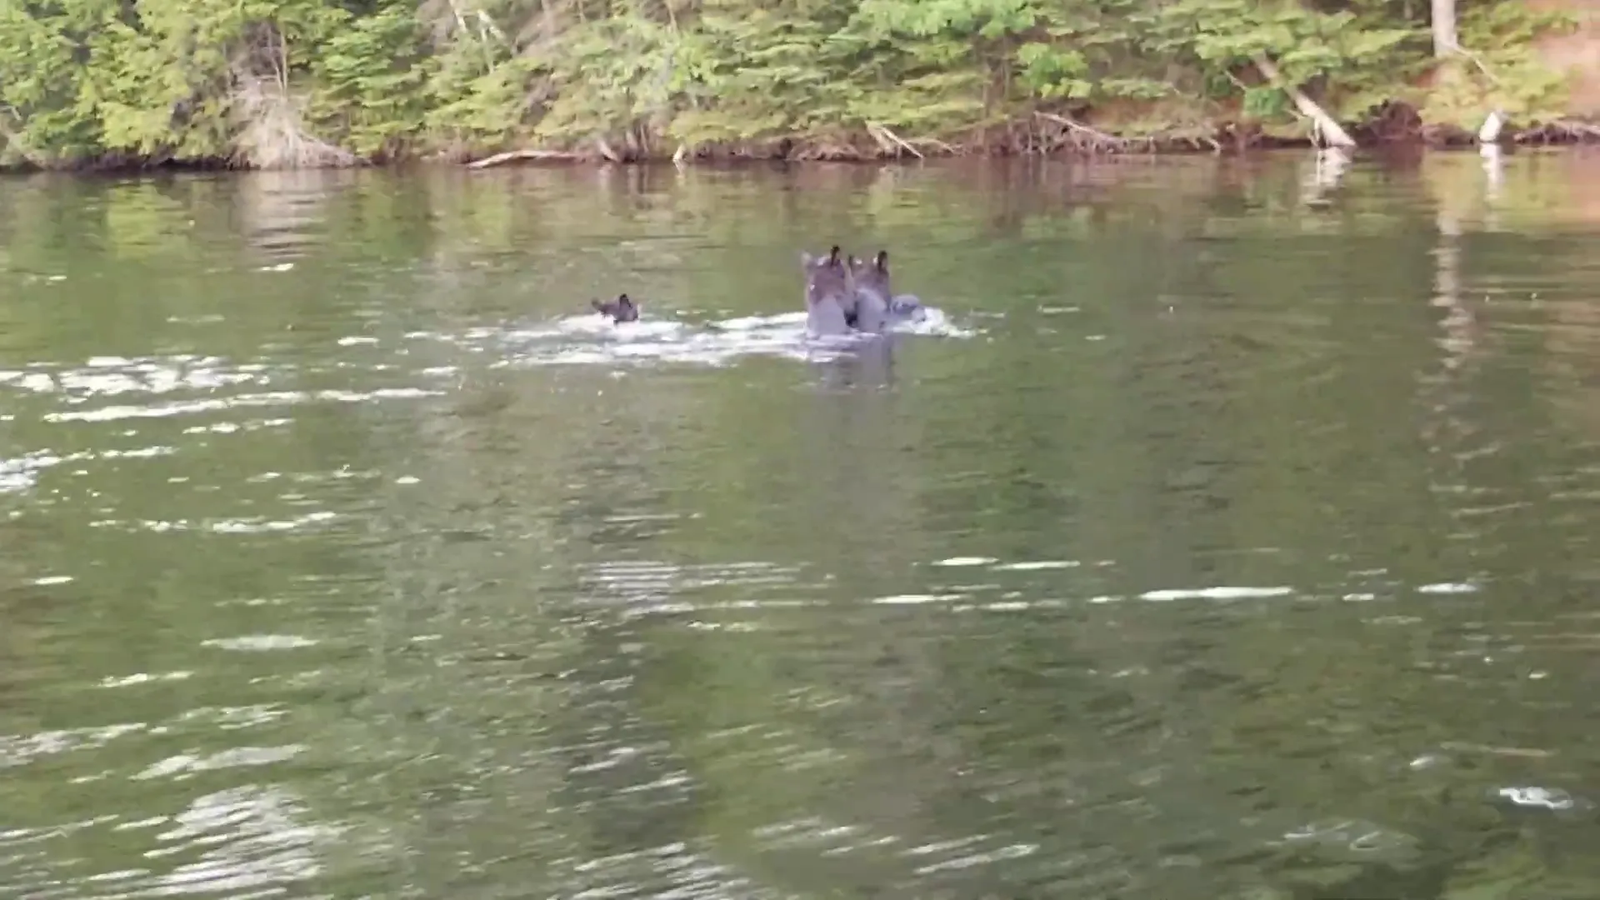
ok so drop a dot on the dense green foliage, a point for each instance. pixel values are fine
(277, 83)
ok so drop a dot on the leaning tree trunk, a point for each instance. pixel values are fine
(1325, 130)
(1444, 28)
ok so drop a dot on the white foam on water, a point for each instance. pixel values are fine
(1549, 798)
(916, 599)
(752, 323)
(117, 375)
(21, 749)
(187, 764)
(111, 681)
(1446, 587)
(20, 473)
(593, 339)
(933, 322)
(253, 525)
(260, 524)
(1216, 593)
(602, 327)
(256, 642)
(276, 398)
(1039, 564)
(966, 561)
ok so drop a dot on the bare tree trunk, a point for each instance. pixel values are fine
(1444, 28)
(1324, 128)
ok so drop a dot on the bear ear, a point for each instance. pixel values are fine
(806, 260)
(833, 255)
(883, 260)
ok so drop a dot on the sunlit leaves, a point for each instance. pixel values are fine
(1054, 72)
(371, 76)
(1133, 88)
(985, 18)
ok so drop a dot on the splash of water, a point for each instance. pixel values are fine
(593, 340)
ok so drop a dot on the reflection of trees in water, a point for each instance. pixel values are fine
(857, 469)
(522, 702)
(1448, 392)
(772, 723)
(1263, 675)
(522, 717)
(49, 215)
(1371, 696)
(279, 213)
(1047, 723)
(463, 639)
(1308, 683)
(28, 551)
(1471, 438)
(1570, 326)
(1088, 717)
(1481, 358)
(153, 710)
(758, 722)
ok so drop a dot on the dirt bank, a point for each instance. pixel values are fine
(1578, 52)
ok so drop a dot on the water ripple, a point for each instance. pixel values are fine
(1206, 550)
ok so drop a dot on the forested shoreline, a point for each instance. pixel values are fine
(310, 83)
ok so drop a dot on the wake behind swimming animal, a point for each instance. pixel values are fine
(829, 294)
(621, 309)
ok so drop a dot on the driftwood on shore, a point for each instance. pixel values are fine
(1323, 126)
(1561, 131)
(1050, 133)
(1079, 137)
(500, 159)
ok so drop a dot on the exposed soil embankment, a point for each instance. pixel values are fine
(1578, 52)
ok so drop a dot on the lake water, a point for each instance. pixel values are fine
(1223, 536)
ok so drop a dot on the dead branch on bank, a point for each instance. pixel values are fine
(1456, 49)
(500, 159)
(889, 141)
(17, 145)
(1323, 126)
(1561, 131)
(1092, 139)
(604, 148)
(827, 151)
(273, 134)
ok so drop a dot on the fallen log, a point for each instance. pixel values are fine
(500, 159)
(1322, 124)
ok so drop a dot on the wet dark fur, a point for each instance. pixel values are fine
(829, 294)
(871, 276)
(827, 276)
(621, 309)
